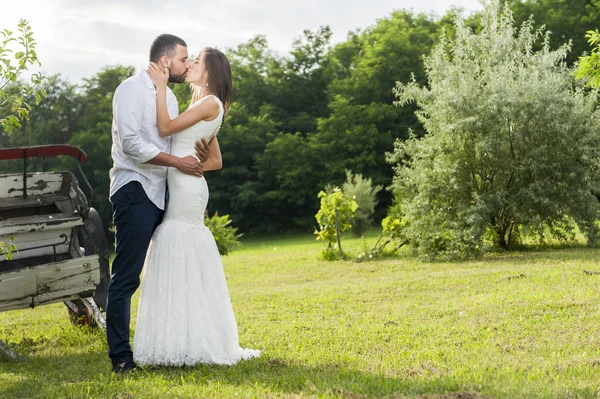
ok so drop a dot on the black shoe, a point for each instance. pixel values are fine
(124, 367)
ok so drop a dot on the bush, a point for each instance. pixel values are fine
(392, 234)
(225, 235)
(334, 217)
(362, 191)
(511, 143)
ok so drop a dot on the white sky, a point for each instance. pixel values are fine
(76, 38)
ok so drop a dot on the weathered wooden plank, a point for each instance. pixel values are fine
(61, 296)
(22, 263)
(37, 184)
(32, 302)
(27, 211)
(66, 206)
(18, 286)
(64, 297)
(16, 304)
(49, 283)
(69, 277)
(23, 241)
(48, 220)
(30, 201)
(77, 195)
(42, 237)
(30, 224)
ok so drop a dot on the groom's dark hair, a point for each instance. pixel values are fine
(165, 44)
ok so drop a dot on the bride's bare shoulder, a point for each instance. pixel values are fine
(207, 107)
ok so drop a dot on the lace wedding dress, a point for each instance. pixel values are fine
(185, 315)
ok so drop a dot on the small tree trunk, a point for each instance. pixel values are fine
(502, 242)
(501, 237)
(337, 230)
(510, 240)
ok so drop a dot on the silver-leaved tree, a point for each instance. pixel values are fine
(511, 144)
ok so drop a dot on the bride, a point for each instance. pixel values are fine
(185, 315)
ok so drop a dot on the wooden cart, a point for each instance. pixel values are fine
(62, 254)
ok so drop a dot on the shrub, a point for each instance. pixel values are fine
(362, 191)
(225, 234)
(333, 218)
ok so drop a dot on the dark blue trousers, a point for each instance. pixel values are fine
(135, 218)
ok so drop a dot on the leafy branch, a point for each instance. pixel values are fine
(589, 66)
(13, 64)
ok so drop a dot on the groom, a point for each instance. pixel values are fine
(138, 185)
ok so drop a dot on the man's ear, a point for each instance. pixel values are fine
(165, 62)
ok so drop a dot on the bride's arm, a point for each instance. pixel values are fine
(206, 110)
(214, 161)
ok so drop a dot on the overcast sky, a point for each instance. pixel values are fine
(76, 38)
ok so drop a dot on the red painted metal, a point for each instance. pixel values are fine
(43, 151)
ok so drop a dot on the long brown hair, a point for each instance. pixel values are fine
(219, 79)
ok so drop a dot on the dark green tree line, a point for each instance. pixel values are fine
(298, 120)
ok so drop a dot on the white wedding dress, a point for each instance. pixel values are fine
(185, 315)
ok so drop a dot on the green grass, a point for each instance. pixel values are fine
(391, 328)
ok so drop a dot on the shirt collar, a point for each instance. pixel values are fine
(143, 75)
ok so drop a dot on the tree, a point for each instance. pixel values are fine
(276, 104)
(291, 172)
(334, 217)
(303, 82)
(565, 20)
(363, 123)
(510, 148)
(183, 93)
(13, 109)
(237, 189)
(298, 120)
(52, 121)
(588, 67)
(251, 66)
(364, 193)
(55, 118)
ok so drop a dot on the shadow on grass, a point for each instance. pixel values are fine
(87, 375)
(84, 372)
(565, 253)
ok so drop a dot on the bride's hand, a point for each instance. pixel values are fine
(158, 75)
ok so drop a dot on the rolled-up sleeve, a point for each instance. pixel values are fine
(129, 109)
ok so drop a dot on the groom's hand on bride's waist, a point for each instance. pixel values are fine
(202, 150)
(190, 166)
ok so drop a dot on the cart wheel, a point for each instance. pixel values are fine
(80, 313)
(92, 238)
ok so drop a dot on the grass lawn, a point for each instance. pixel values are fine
(523, 325)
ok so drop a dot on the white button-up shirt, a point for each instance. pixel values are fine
(135, 137)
